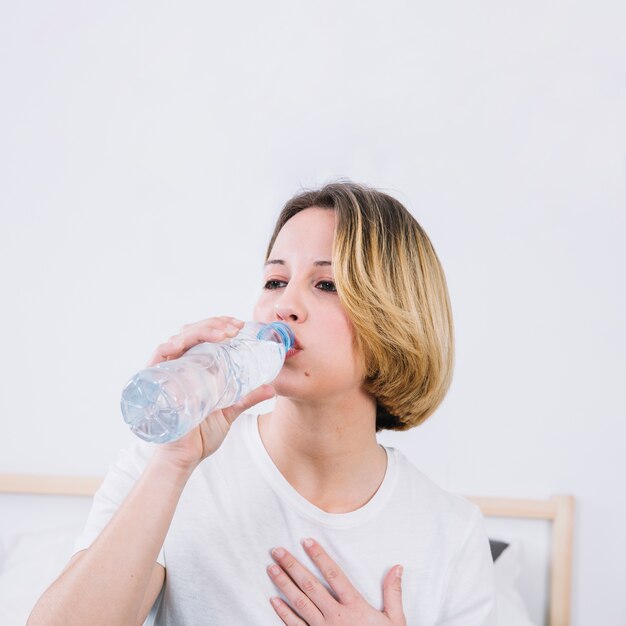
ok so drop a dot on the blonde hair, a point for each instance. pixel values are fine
(393, 288)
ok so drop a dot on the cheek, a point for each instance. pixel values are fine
(261, 308)
(342, 328)
(342, 336)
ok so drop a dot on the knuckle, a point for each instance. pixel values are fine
(308, 585)
(316, 553)
(352, 598)
(289, 562)
(301, 603)
(331, 574)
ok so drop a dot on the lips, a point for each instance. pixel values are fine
(296, 343)
(294, 349)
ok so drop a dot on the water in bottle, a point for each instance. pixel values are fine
(164, 402)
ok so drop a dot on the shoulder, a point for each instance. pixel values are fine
(430, 501)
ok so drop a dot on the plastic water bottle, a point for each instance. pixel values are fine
(164, 402)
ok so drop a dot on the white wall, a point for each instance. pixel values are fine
(146, 148)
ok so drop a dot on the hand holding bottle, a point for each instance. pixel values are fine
(206, 438)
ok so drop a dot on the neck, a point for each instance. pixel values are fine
(327, 451)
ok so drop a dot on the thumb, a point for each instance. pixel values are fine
(264, 392)
(392, 596)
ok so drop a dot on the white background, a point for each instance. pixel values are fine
(146, 149)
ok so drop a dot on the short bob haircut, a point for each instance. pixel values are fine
(393, 289)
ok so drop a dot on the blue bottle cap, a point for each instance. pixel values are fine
(284, 332)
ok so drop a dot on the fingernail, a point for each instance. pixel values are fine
(399, 570)
(307, 543)
(278, 552)
(231, 328)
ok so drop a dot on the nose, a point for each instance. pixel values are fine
(289, 307)
(288, 313)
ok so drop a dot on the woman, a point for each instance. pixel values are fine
(192, 523)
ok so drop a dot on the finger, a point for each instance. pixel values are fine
(264, 392)
(301, 587)
(285, 613)
(197, 334)
(177, 345)
(392, 595)
(164, 352)
(339, 582)
(229, 319)
(210, 321)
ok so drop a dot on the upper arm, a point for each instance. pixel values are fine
(155, 584)
(75, 558)
(470, 592)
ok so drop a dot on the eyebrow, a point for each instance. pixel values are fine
(282, 262)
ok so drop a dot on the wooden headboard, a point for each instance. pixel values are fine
(559, 509)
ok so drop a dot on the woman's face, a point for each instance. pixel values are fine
(299, 289)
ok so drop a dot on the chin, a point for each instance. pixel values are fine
(287, 389)
(295, 384)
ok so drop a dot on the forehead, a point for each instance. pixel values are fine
(309, 232)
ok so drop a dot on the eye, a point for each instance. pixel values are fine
(274, 284)
(327, 285)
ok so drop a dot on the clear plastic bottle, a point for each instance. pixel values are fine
(164, 402)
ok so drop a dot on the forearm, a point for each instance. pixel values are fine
(106, 585)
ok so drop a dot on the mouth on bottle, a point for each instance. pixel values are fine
(292, 352)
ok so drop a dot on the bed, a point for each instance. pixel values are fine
(42, 515)
(557, 512)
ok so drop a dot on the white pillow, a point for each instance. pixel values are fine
(511, 608)
(29, 563)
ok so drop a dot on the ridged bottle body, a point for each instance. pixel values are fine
(164, 402)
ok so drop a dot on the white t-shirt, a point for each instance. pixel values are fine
(237, 506)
